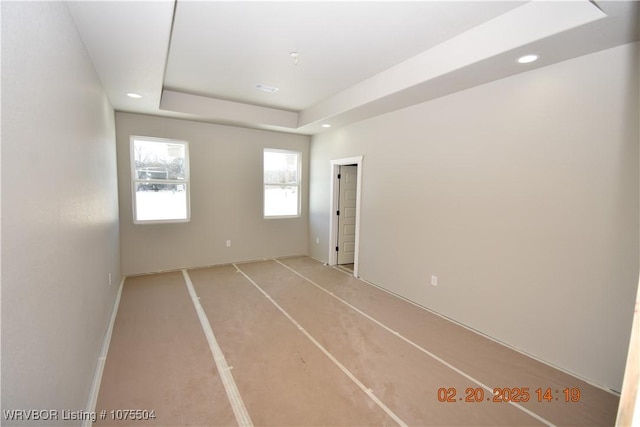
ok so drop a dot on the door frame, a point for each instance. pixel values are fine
(334, 195)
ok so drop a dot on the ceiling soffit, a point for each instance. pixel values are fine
(201, 60)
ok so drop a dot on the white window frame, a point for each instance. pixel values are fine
(298, 183)
(135, 180)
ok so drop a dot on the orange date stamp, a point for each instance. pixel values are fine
(508, 394)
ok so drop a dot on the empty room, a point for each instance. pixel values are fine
(320, 213)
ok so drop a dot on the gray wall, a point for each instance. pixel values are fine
(60, 237)
(521, 195)
(226, 198)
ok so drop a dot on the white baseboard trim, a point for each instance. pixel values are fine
(97, 377)
(489, 337)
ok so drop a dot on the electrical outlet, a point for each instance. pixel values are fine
(434, 280)
(228, 243)
(317, 240)
(110, 280)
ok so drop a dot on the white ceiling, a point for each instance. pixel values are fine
(222, 49)
(201, 60)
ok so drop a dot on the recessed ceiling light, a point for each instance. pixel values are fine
(326, 125)
(527, 59)
(134, 95)
(267, 88)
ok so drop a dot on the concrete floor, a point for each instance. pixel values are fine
(306, 344)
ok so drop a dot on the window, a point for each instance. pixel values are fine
(160, 180)
(281, 183)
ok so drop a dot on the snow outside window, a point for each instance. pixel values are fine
(160, 180)
(281, 183)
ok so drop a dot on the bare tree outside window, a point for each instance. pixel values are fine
(160, 179)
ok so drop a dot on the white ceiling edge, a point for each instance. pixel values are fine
(228, 111)
(524, 25)
(435, 72)
(104, 24)
(129, 47)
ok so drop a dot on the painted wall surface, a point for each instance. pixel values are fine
(60, 238)
(226, 198)
(521, 195)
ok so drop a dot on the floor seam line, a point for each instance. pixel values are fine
(417, 346)
(224, 370)
(488, 337)
(326, 352)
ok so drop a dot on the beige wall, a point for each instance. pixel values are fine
(59, 211)
(521, 195)
(226, 198)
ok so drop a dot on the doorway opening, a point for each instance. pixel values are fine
(344, 229)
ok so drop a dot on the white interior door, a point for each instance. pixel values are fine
(347, 214)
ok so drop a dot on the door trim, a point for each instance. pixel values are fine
(333, 223)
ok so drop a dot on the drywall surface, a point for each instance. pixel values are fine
(59, 212)
(226, 198)
(520, 195)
